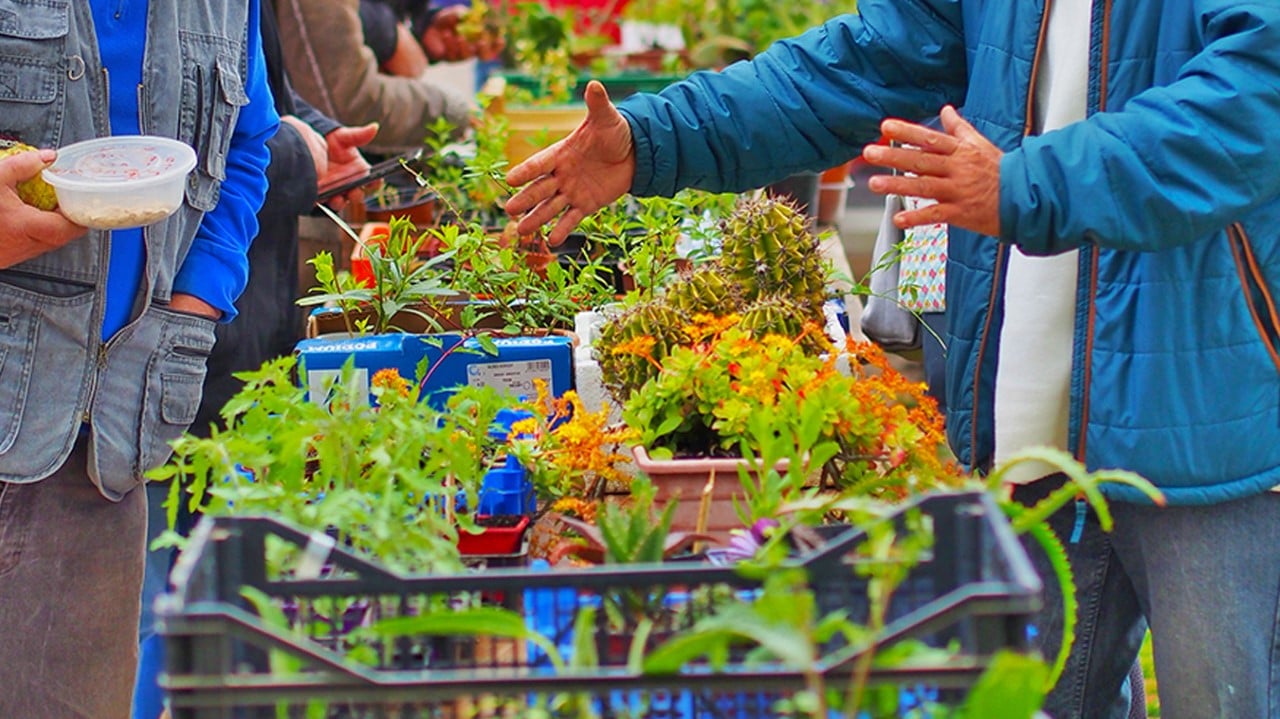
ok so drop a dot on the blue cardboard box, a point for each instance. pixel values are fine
(453, 362)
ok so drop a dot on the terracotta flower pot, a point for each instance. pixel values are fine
(686, 479)
(833, 192)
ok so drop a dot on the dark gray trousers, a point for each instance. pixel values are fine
(69, 596)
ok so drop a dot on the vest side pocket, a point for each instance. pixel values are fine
(18, 332)
(173, 385)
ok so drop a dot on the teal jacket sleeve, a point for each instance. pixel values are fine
(217, 267)
(1174, 164)
(807, 103)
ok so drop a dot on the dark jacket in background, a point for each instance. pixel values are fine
(269, 323)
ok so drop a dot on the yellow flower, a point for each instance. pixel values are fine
(574, 507)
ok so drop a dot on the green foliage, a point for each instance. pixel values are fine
(528, 290)
(782, 623)
(1012, 687)
(479, 621)
(706, 397)
(403, 283)
(468, 177)
(631, 532)
(382, 476)
(718, 32)
(1033, 521)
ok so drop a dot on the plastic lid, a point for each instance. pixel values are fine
(136, 160)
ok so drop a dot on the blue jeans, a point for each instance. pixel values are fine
(148, 700)
(1206, 579)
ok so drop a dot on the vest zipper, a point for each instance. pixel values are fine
(105, 112)
(1002, 250)
(99, 365)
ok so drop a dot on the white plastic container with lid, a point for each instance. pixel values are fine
(112, 183)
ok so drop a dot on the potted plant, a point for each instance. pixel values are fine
(752, 423)
(523, 286)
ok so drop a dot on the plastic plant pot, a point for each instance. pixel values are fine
(503, 534)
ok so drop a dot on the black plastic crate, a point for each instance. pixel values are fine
(974, 593)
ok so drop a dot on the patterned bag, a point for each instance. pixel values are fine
(922, 274)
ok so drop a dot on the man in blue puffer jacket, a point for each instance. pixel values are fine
(1114, 197)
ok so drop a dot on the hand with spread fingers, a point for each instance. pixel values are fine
(573, 178)
(957, 166)
(28, 232)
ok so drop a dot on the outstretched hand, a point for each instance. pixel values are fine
(578, 175)
(957, 167)
(28, 232)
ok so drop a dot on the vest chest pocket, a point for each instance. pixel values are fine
(32, 69)
(213, 93)
(33, 19)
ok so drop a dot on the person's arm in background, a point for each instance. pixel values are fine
(308, 113)
(216, 268)
(333, 151)
(378, 21)
(332, 67)
(392, 42)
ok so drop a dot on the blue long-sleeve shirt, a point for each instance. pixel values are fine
(216, 268)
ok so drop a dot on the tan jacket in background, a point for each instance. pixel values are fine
(332, 68)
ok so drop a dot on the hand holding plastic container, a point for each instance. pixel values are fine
(112, 183)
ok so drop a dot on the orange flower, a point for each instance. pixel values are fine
(390, 380)
(640, 346)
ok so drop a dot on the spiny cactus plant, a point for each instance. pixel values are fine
(770, 249)
(630, 344)
(777, 314)
(706, 289)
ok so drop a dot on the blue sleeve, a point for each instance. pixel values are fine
(217, 266)
(1172, 165)
(807, 103)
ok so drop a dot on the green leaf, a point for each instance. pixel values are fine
(280, 661)
(477, 621)
(674, 654)
(584, 639)
(487, 344)
(1012, 687)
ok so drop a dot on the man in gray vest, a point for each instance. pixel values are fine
(104, 336)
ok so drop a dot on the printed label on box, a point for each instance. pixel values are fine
(319, 382)
(514, 377)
